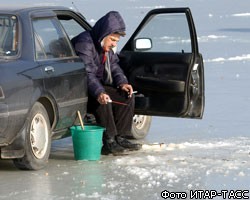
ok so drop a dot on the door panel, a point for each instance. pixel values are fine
(168, 74)
(64, 74)
(68, 87)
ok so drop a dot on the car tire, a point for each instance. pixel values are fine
(141, 125)
(37, 140)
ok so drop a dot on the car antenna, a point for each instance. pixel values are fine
(75, 6)
(76, 9)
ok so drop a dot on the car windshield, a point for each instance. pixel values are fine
(8, 35)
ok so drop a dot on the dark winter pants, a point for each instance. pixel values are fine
(117, 119)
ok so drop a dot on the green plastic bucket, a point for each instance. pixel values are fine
(87, 143)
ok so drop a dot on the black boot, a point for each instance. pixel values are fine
(110, 146)
(127, 144)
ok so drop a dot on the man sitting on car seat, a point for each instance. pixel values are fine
(107, 82)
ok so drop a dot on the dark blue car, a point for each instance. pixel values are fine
(43, 82)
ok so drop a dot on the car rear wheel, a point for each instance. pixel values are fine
(37, 141)
(140, 126)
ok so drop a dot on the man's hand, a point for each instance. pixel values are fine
(103, 98)
(127, 88)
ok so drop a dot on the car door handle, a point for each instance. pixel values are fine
(49, 69)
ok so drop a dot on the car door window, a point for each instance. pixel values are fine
(168, 33)
(50, 40)
(71, 26)
(8, 35)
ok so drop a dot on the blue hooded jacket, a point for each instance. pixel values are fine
(88, 46)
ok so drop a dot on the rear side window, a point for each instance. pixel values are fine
(72, 27)
(8, 35)
(50, 39)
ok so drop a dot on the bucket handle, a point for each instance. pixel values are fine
(80, 118)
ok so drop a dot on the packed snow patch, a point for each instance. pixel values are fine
(187, 162)
(241, 15)
(209, 38)
(244, 57)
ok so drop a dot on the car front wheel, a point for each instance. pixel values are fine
(140, 126)
(37, 141)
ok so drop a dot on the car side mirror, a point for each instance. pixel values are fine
(143, 44)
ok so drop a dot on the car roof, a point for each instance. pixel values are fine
(26, 9)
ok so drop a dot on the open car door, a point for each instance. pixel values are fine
(163, 63)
